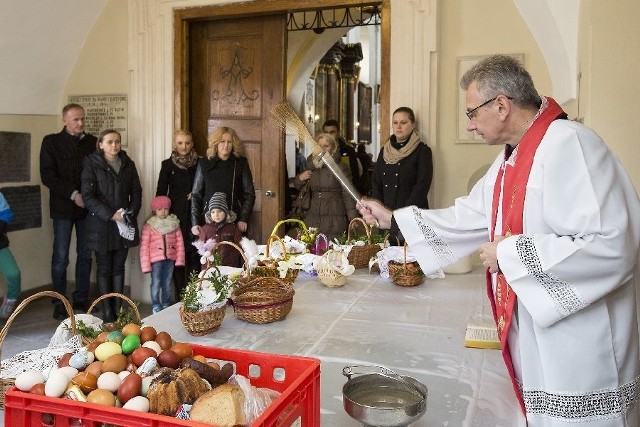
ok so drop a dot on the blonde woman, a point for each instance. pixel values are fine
(331, 207)
(175, 180)
(225, 169)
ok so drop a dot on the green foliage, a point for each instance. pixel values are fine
(85, 330)
(190, 294)
(126, 315)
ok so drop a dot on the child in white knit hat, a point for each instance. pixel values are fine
(218, 229)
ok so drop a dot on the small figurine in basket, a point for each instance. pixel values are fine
(161, 248)
(219, 229)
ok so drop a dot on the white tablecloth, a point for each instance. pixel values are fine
(415, 331)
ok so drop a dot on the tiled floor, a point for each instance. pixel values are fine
(34, 326)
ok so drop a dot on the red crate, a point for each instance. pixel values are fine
(297, 378)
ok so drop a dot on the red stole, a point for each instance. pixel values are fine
(516, 177)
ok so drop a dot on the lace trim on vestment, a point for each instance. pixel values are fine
(563, 294)
(595, 405)
(442, 251)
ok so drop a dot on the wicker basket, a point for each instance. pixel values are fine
(405, 273)
(272, 270)
(303, 226)
(203, 322)
(87, 340)
(327, 273)
(246, 275)
(263, 300)
(359, 256)
(7, 383)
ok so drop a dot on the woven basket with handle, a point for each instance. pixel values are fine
(359, 256)
(270, 266)
(300, 223)
(245, 276)
(204, 322)
(405, 273)
(7, 383)
(87, 340)
(263, 300)
(327, 273)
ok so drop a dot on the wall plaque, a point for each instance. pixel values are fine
(25, 204)
(104, 112)
(15, 157)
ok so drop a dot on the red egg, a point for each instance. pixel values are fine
(169, 359)
(141, 354)
(37, 389)
(131, 387)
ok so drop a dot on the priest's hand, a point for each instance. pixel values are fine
(489, 254)
(374, 212)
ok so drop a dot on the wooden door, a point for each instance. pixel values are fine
(237, 74)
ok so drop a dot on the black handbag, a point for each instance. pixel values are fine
(302, 203)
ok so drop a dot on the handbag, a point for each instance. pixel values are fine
(303, 201)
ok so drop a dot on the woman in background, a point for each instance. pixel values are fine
(403, 171)
(113, 195)
(224, 170)
(8, 266)
(175, 181)
(331, 206)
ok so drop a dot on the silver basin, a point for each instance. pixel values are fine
(380, 400)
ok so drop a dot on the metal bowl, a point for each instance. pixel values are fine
(382, 400)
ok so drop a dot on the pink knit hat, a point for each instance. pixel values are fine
(160, 202)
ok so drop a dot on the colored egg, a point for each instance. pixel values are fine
(147, 333)
(115, 363)
(130, 343)
(115, 336)
(131, 329)
(106, 349)
(131, 386)
(141, 354)
(81, 359)
(102, 397)
(86, 381)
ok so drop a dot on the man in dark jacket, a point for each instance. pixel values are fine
(347, 152)
(61, 157)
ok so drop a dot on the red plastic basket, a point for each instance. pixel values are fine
(296, 378)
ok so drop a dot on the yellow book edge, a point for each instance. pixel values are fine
(482, 336)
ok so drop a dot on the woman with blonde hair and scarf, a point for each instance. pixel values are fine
(403, 171)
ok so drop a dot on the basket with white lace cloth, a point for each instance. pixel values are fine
(41, 360)
(333, 268)
(400, 265)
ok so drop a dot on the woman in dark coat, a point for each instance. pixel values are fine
(113, 196)
(331, 206)
(403, 171)
(224, 170)
(175, 181)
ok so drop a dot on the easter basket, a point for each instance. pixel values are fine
(269, 266)
(330, 268)
(134, 309)
(359, 256)
(199, 320)
(39, 360)
(405, 273)
(245, 275)
(262, 300)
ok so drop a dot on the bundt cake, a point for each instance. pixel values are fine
(173, 387)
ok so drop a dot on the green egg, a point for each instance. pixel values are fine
(115, 336)
(130, 343)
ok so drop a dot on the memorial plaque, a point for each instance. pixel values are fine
(26, 206)
(104, 112)
(15, 157)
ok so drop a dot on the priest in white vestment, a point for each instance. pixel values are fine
(557, 221)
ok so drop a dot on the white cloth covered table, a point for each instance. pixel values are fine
(416, 331)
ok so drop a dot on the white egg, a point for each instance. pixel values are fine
(137, 403)
(27, 379)
(109, 381)
(123, 375)
(154, 345)
(69, 371)
(56, 384)
(146, 382)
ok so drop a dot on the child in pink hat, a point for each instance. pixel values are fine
(161, 248)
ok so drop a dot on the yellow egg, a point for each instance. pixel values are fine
(106, 349)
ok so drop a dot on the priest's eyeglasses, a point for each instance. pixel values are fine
(473, 112)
